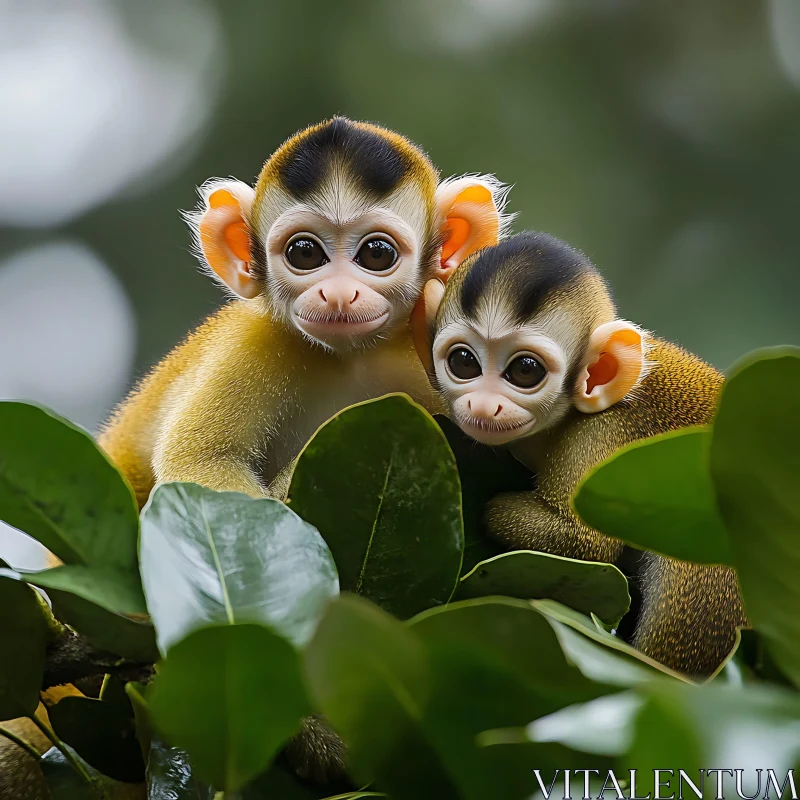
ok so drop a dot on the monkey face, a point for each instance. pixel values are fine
(345, 224)
(345, 282)
(502, 382)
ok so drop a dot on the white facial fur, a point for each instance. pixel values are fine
(342, 305)
(490, 408)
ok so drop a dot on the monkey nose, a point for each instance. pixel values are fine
(340, 293)
(485, 406)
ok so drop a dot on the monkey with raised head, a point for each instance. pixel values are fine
(527, 350)
(325, 259)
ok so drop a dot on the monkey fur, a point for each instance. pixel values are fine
(536, 284)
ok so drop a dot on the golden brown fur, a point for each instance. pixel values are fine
(205, 413)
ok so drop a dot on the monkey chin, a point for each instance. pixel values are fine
(495, 435)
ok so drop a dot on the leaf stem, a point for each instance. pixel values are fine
(65, 751)
(21, 742)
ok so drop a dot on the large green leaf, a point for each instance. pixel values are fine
(598, 654)
(496, 662)
(586, 586)
(484, 472)
(222, 556)
(59, 487)
(23, 640)
(755, 461)
(102, 733)
(381, 484)
(369, 675)
(421, 693)
(691, 727)
(230, 695)
(602, 726)
(657, 494)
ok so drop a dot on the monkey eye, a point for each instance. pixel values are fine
(305, 254)
(463, 364)
(525, 372)
(376, 255)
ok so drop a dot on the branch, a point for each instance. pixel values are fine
(70, 657)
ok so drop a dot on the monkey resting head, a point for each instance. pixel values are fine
(344, 226)
(527, 349)
(524, 332)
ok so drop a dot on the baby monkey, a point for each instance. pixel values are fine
(528, 351)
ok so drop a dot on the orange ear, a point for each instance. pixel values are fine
(421, 321)
(224, 235)
(471, 217)
(615, 365)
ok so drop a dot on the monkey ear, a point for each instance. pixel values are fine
(471, 214)
(616, 363)
(421, 322)
(223, 235)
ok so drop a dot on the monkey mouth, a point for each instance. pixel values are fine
(489, 431)
(339, 323)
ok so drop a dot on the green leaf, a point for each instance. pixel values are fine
(135, 692)
(222, 556)
(421, 693)
(484, 472)
(691, 727)
(230, 695)
(586, 586)
(114, 633)
(23, 640)
(119, 591)
(369, 675)
(102, 734)
(494, 663)
(599, 655)
(58, 486)
(509, 639)
(107, 606)
(755, 462)
(603, 726)
(657, 495)
(753, 656)
(381, 484)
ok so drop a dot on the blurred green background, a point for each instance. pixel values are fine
(661, 138)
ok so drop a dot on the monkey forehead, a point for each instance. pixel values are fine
(340, 202)
(376, 158)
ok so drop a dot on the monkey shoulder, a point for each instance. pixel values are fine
(679, 390)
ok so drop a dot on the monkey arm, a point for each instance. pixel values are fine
(525, 521)
(542, 518)
(216, 450)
